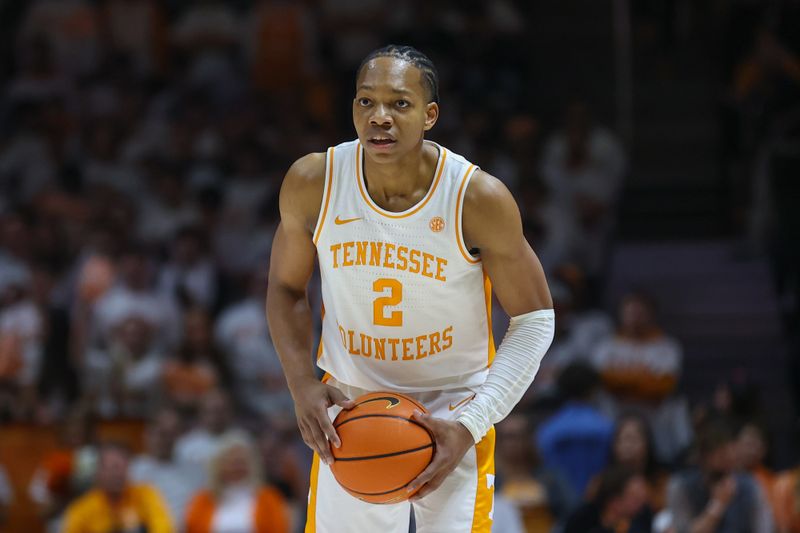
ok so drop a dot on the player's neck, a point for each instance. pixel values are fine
(403, 177)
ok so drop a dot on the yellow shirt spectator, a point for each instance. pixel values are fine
(140, 508)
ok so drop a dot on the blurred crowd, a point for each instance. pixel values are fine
(142, 146)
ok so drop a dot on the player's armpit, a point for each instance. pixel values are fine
(492, 223)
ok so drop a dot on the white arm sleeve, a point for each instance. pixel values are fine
(514, 367)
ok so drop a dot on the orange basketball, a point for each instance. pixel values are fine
(383, 448)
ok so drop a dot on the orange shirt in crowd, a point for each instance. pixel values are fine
(639, 369)
(188, 382)
(10, 356)
(140, 508)
(786, 501)
(530, 497)
(766, 480)
(271, 515)
(57, 467)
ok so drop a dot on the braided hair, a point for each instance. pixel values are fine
(430, 78)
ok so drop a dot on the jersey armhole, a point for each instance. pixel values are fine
(326, 195)
(462, 190)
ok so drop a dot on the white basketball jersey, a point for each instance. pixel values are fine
(405, 305)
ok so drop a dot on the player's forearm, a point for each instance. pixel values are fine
(289, 318)
(515, 365)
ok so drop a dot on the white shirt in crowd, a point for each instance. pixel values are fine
(235, 511)
(23, 321)
(6, 492)
(177, 482)
(198, 446)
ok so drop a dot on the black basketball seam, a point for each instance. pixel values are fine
(392, 490)
(383, 455)
(382, 416)
(379, 493)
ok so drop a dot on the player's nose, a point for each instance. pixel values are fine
(380, 116)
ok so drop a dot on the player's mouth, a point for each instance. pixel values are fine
(382, 142)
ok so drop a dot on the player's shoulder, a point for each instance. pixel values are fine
(306, 172)
(486, 193)
(309, 172)
(302, 188)
(489, 210)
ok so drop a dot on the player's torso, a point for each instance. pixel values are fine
(405, 304)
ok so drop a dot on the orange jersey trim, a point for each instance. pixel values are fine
(459, 201)
(404, 214)
(487, 292)
(484, 492)
(322, 317)
(311, 516)
(328, 187)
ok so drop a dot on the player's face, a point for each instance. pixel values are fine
(391, 111)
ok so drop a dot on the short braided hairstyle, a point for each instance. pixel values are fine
(430, 77)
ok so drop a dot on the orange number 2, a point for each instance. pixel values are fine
(379, 317)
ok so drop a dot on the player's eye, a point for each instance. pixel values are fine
(364, 102)
(403, 103)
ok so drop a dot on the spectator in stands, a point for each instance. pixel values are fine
(282, 47)
(207, 35)
(238, 245)
(190, 277)
(541, 494)
(175, 481)
(134, 294)
(198, 366)
(237, 500)
(71, 30)
(752, 449)
(242, 334)
(633, 448)
(215, 422)
(578, 332)
(137, 30)
(576, 439)
(115, 504)
(506, 516)
(285, 459)
(6, 495)
(736, 398)
(125, 378)
(767, 74)
(621, 494)
(21, 341)
(786, 501)
(640, 367)
(715, 497)
(166, 205)
(583, 167)
(103, 168)
(67, 471)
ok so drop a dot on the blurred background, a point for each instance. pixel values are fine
(653, 147)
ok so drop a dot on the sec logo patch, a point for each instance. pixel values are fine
(436, 224)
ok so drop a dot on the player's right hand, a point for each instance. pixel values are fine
(312, 399)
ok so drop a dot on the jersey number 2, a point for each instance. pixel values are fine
(379, 317)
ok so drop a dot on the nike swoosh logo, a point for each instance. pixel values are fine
(462, 402)
(392, 401)
(340, 221)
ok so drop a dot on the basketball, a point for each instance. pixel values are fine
(383, 448)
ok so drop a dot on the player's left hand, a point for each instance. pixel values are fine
(452, 442)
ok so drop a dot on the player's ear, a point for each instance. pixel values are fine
(431, 115)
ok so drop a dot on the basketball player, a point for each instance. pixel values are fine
(408, 235)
